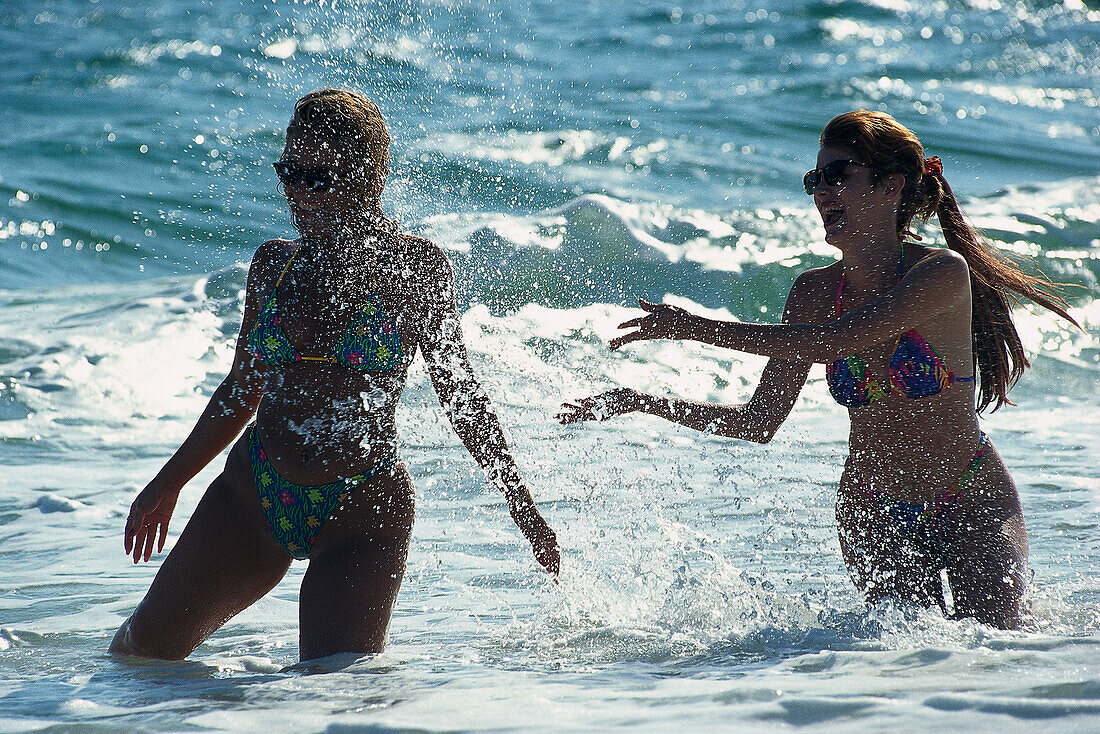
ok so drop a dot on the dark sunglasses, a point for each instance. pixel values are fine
(831, 173)
(321, 180)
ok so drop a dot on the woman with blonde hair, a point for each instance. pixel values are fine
(909, 334)
(332, 321)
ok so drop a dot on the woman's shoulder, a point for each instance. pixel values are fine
(822, 275)
(820, 282)
(420, 249)
(813, 294)
(424, 259)
(275, 249)
(270, 258)
(937, 263)
(418, 270)
(920, 253)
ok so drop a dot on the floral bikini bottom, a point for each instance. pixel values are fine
(296, 513)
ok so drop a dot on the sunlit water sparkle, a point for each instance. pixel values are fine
(570, 156)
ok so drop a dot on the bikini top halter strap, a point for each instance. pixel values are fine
(286, 267)
(289, 260)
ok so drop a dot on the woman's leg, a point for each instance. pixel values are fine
(989, 576)
(885, 559)
(987, 544)
(224, 560)
(355, 569)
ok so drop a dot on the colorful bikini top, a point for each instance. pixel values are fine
(370, 342)
(916, 371)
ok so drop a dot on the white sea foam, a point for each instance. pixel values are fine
(587, 153)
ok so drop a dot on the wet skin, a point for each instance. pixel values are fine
(909, 449)
(317, 422)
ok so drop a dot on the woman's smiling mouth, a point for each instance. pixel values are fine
(832, 215)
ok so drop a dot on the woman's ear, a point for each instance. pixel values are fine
(892, 184)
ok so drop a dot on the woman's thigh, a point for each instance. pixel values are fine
(988, 546)
(224, 560)
(355, 569)
(883, 559)
(988, 576)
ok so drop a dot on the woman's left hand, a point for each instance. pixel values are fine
(149, 514)
(662, 322)
(608, 404)
(544, 543)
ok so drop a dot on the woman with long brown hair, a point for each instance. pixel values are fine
(909, 334)
(332, 321)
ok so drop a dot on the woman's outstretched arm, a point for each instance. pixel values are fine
(939, 283)
(470, 412)
(229, 409)
(757, 420)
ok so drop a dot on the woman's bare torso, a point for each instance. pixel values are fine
(910, 449)
(318, 421)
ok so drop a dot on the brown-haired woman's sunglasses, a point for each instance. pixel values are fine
(832, 174)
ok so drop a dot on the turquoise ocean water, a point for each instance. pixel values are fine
(570, 156)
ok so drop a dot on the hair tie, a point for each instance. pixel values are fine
(933, 166)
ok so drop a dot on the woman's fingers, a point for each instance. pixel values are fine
(574, 413)
(652, 308)
(142, 534)
(646, 327)
(626, 339)
(163, 536)
(630, 324)
(547, 552)
(597, 407)
(150, 539)
(138, 543)
(552, 560)
(147, 524)
(133, 525)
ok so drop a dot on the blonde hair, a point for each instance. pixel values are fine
(353, 123)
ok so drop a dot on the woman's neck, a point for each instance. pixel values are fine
(351, 238)
(873, 264)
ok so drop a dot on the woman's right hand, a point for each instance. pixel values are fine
(543, 540)
(601, 407)
(149, 514)
(662, 321)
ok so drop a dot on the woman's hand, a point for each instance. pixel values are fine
(662, 322)
(150, 512)
(544, 543)
(601, 407)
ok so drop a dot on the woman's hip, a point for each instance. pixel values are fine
(378, 511)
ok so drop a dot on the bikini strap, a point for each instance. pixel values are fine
(286, 267)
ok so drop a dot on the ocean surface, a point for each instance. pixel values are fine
(570, 156)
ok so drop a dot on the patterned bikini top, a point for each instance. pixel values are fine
(371, 341)
(916, 371)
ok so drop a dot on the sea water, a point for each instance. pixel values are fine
(570, 156)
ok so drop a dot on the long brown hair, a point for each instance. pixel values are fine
(889, 147)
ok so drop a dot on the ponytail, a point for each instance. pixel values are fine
(999, 356)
